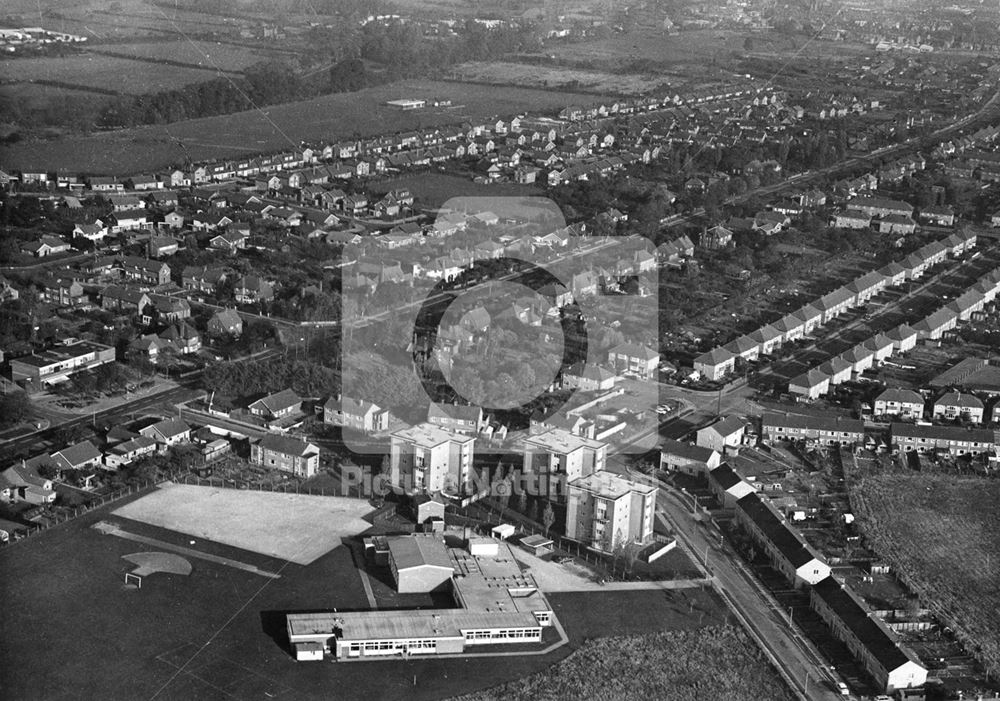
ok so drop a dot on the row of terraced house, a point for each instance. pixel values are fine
(721, 361)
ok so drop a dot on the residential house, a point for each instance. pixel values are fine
(722, 435)
(276, 406)
(287, 454)
(727, 485)
(955, 440)
(904, 403)
(715, 364)
(167, 433)
(892, 665)
(689, 459)
(828, 430)
(225, 322)
(631, 359)
(588, 378)
(252, 288)
(356, 414)
(787, 550)
(953, 406)
(455, 418)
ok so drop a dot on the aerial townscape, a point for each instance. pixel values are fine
(522, 349)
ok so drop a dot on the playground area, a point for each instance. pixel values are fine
(294, 527)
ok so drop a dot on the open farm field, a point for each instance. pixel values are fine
(33, 96)
(112, 20)
(718, 662)
(692, 48)
(328, 118)
(209, 55)
(103, 73)
(532, 76)
(939, 533)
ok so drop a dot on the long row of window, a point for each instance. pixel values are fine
(504, 634)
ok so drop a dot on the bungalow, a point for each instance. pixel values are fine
(715, 364)
(45, 246)
(210, 221)
(129, 451)
(770, 223)
(79, 456)
(904, 403)
(230, 241)
(694, 460)
(826, 430)
(202, 279)
(21, 482)
(168, 432)
(130, 220)
(276, 406)
(957, 406)
(356, 414)
(94, 232)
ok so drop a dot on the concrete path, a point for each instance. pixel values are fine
(553, 577)
(113, 529)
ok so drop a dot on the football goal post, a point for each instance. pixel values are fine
(133, 579)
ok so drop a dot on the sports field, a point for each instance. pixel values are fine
(218, 633)
(294, 527)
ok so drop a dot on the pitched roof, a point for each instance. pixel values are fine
(287, 445)
(759, 510)
(687, 451)
(278, 401)
(419, 551)
(78, 454)
(863, 624)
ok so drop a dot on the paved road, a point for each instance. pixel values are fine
(38, 441)
(798, 661)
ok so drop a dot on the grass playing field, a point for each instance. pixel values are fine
(294, 527)
(72, 630)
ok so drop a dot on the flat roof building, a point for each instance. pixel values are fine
(59, 363)
(606, 511)
(496, 603)
(558, 455)
(428, 458)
